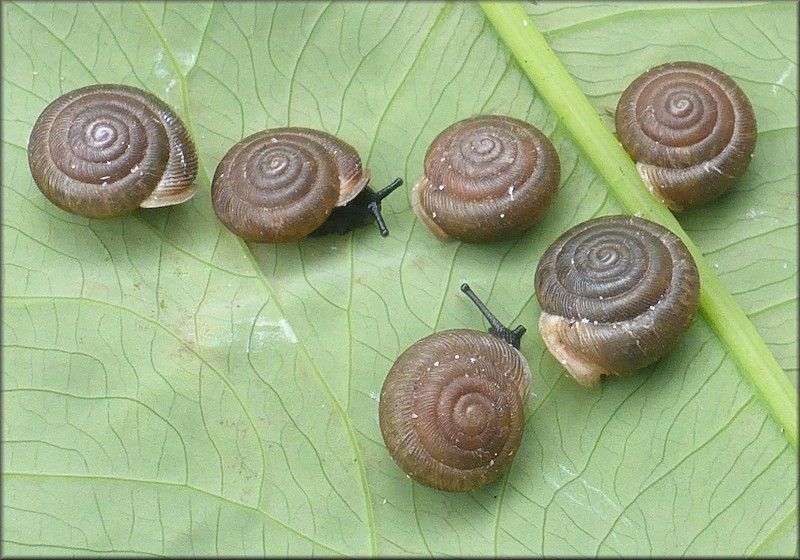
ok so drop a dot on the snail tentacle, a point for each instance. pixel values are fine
(359, 212)
(498, 329)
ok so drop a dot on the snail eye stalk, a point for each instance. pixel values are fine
(497, 328)
(360, 212)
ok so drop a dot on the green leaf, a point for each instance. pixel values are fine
(171, 390)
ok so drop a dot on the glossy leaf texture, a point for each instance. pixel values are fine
(171, 390)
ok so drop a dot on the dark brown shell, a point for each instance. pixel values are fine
(452, 409)
(691, 130)
(486, 178)
(279, 185)
(105, 150)
(616, 292)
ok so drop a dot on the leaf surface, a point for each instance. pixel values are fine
(169, 389)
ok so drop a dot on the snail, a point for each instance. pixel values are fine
(486, 178)
(691, 130)
(283, 184)
(452, 406)
(104, 150)
(616, 293)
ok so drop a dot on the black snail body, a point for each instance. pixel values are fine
(486, 178)
(283, 184)
(104, 150)
(616, 293)
(452, 406)
(691, 130)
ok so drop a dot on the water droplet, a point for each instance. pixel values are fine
(436, 363)
(441, 187)
(414, 415)
(433, 215)
(385, 500)
(502, 215)
(473, 359)
(457, 356)
(491, 463)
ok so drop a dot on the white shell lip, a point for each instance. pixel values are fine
(169, 196)
(349, 191)
(422, 213)
(527, 378)
(654, 189)
(582, 371)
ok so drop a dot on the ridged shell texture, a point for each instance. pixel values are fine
(105, 150)
(616, 292)
(452, 407)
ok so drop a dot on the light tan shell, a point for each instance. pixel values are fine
(104, 150)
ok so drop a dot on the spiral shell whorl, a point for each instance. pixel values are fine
(452, 407)
(615, 293)
(486, 178)
(691, 130)
(105, 150)
(279, 185)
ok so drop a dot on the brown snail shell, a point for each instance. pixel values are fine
(282, 184)
(104, 150)
(486, 178)
(691, 130)
(616, 293)
(452, 408)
